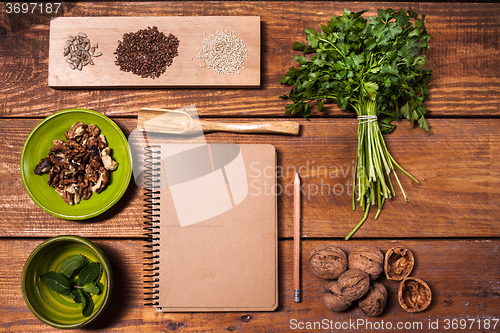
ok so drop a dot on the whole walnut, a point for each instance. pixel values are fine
(354, 284)
(373, 303)
(328, 262)
(333, 299)
(367, 259)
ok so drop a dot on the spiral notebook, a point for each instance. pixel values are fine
(213, 228)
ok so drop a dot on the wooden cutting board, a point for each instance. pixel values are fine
(185, 70)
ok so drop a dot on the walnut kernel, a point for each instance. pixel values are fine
(78, 167)
(107, 160)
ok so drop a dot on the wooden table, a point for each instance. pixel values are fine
(451, 223)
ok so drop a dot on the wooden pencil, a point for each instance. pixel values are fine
(296, 238)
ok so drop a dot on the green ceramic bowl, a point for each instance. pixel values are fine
(37, 147)
(50, 307)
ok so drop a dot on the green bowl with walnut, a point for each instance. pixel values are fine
(49, 306)
(37, 146)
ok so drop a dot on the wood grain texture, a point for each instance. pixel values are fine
(457, 164)
(473, 294)
(18, 209)
(187, 69)
(463, 57)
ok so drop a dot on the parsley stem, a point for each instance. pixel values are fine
(381, 204)
(401, 187)
(334, 46)
(403, 170)
(359, 224)
(374, 164)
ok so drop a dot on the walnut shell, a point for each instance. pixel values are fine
(333, 299)
(354, 284)
(328, 262)
(373, 303)
(398, 264)
(367, 259)
(414, 295)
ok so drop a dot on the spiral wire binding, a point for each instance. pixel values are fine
(152, 215)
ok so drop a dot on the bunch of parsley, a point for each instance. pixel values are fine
(374, 67)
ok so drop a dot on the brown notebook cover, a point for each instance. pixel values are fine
(217, 234)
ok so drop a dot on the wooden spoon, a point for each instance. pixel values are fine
(180, 122)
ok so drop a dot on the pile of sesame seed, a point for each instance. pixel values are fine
(224, 53)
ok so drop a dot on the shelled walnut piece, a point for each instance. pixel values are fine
(80, 166)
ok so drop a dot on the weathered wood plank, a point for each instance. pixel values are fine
(19, 210)
(186, 69)
(458, 293)
(463, 56)
(457, 164)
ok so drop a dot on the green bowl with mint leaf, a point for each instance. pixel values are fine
(66, 281)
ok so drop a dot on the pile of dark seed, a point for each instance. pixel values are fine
(147, 52)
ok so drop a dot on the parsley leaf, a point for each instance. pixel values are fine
(351, 54)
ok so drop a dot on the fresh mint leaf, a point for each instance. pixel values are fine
(91, 288)
(73, 264)
(87, 281)
(101, 271)
(56, 282)
(89, 273)
(78, 296)
(70, 295)
(74, 295)
(100, 286)
(87, 303)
